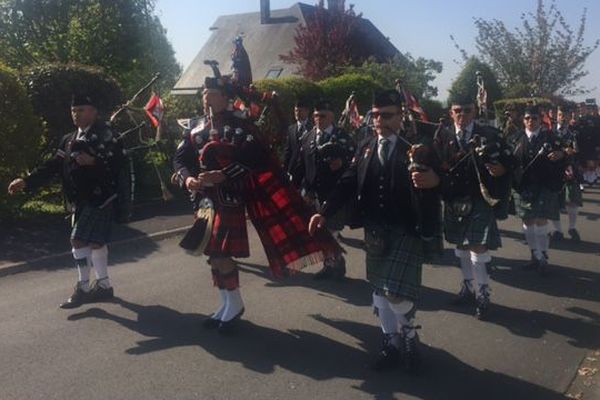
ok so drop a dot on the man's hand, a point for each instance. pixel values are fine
(495, 170)
(16, 186)
(192, 183)
(336, 164)
(425, 180)
(317, 221)
(556, 155)
(84, 159)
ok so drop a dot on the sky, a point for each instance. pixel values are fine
(421, 28)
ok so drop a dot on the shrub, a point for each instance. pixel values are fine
(337, 90)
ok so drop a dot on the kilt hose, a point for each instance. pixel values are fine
(92, 224)
(477, 228)
(396, 272)
(537, 202)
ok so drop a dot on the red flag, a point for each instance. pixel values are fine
(155, 110)
(413, 104)
(354, 114)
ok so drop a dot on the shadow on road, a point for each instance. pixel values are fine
(532, 324)
(262, 350)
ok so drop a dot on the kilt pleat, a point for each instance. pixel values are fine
(477, 228)
(537, 202)
(92, 224)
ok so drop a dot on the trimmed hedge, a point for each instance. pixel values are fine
(289, 90)
(337, 90)
(20, 135)
(51, 87)
(519, 104)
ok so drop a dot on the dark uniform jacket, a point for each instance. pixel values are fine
(385, 194)
(318, 178)
(95, 185)
(291, 156)
(459, 175)
(542, 173)
(589, 137)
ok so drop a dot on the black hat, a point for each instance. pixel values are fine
(387, 98)
(302, 103)
(323, 105)
(82, 100)
(532, 110)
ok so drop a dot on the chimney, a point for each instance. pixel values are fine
(336, 5)
(265, 11)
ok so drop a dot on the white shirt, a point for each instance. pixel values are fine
(81, 132)
(466, 132)
(530, 134)
(329, 129)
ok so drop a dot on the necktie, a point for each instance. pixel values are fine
(383, 150)
(462, 139)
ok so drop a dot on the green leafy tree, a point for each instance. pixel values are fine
(416, 74)
(124, 37)
(543, 57)
(465, 85)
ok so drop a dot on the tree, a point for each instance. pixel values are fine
(465, 85)
(416, 75)
(544, 57)
(124, 37)
(326, 44)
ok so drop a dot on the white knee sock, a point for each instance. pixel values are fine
(404, 312)
(466, 266)
(480, 261)
(572, 212)
(219, 313)
(557, 225)
(100, 263)
(387, 318)
(82, 260)
(234, 306)
(541, 234)
(531, 237)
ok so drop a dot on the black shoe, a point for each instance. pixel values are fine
(388, 358)
(98, 293)
(557, 236)
(78, 298)
(483, 304)
(411, 357)
(465, 296)
(228, 327)
(574, 235)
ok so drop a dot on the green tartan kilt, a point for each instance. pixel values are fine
(477, 228)
(92, 224)
(398, 271)
(571, 193)
(538, 202)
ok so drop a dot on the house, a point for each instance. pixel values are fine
(267, 35)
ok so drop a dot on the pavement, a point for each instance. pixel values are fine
(299, 338)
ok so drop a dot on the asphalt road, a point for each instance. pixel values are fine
(299, 339)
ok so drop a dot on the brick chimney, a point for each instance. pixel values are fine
(265, 11)
(336, 5)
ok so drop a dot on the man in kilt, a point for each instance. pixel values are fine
(326, 151)
(88, 162)
(570, 196)
(588, 128)
(537, 180)
(223, 162)
(379, 180)
(472, 155)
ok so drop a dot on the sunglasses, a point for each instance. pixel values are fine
(383, 115)
(460, 110)
(531, 117)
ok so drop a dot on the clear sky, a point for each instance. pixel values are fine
(421, 28)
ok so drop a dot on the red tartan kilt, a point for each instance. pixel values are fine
(229, 235)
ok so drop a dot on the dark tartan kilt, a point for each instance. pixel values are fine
(477, 228)
(92, 224)
(538, 202)
(398, 271)
(229, 234)
(571, 194)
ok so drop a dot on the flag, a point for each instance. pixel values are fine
(354, 115)
(413, 104)
(155, 110)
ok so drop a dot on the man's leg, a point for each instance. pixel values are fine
(389, 355)
(572, 209)
(480, 256)
(81, 254)
(405, 311)
(102, 289)
(467, 291)
(228, 278)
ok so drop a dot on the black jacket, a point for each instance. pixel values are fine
(291, 153)
(96, 184)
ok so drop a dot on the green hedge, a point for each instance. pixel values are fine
(20, 135)
(289, 90)
(519, 103)
(51, 87)
(337, 89)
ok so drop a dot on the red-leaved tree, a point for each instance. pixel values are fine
(327, 43)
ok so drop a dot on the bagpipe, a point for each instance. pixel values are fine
(539, 168)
